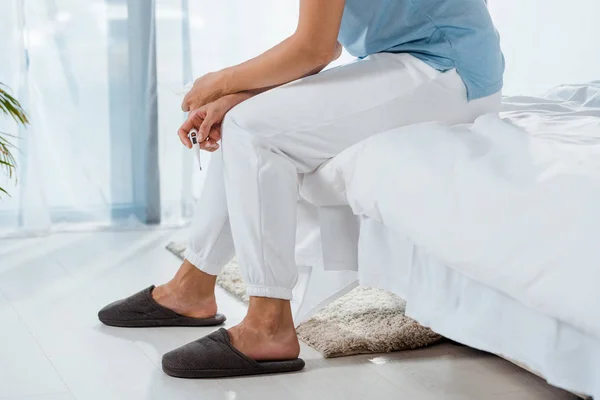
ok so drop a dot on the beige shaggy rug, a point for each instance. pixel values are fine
(365, 320)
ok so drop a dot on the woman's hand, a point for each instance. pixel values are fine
(207, 120)
(206, 89)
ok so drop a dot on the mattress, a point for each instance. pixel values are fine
(510, 201)
(457, 307)
(490, 230)
(474, 314)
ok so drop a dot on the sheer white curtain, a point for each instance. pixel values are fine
(102, 81)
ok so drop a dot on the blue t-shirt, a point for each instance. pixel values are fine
(445, 34)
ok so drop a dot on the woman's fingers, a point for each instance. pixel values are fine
(207, 124)
(194, 120)
(185, 140)
(215, 133)
(209, 145)
(185, 106)
(206, 89)
(214, 136)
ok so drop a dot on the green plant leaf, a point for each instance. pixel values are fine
(6, 134)
(4, 142)
(11, 107)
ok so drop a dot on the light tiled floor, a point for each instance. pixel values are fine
(53, 348)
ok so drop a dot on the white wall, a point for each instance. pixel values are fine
(548, 42)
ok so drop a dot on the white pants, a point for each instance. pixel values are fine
(250, 194)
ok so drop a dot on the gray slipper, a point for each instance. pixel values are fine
(213, 356)
(142, 311)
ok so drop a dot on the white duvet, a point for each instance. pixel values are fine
(511, 201)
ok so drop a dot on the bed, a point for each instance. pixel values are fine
(490, 230)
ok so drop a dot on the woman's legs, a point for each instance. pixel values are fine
(210, 247)
(269, 139)
(268, 331)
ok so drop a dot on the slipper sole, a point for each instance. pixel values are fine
(266, 367)
(159, 323)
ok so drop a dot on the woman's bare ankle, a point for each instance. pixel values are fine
(191, 280)
(269, 315)
(267, 332)
(191, 292)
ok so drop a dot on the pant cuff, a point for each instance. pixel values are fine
(270, 292)
(199, 262)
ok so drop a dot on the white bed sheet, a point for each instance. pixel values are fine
(511, 202)
(505, 219)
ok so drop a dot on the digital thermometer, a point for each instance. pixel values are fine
(193, 135)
